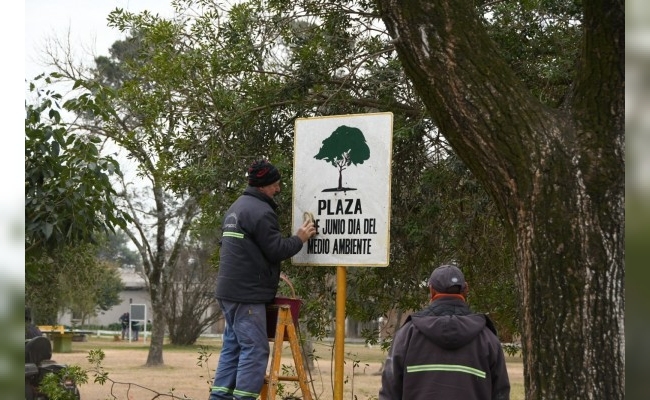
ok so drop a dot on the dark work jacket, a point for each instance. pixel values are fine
(445, 352)
(252, 248)
(32, 331)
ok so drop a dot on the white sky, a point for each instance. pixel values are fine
(83, 20)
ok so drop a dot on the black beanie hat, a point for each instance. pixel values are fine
(262, 173)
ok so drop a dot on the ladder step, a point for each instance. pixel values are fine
(283, 378)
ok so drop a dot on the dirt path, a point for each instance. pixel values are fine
(182, 376)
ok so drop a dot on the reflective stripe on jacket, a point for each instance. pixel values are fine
(252, 248)
(445, 352)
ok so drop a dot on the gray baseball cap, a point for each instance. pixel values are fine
(444, 279)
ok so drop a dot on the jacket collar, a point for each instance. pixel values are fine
(252, 191)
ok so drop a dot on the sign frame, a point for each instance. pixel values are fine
(342, 177)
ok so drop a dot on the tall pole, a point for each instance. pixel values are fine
(339, 335)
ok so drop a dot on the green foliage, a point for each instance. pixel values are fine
(203, 361)
(95, 358)
(540, 40)
(242, 77)
(51, 383)
(109, 288)
(68, 193)
(511, 349)
(237, 79)
(114, 249)
(73, 279)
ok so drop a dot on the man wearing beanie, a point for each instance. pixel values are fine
(446, 351)
(252, 248)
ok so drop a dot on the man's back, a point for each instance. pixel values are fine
(252, 248)
(445, 351)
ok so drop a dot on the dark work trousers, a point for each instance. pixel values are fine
(245, 353)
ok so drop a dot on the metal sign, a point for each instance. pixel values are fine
(342, 177)
(138, 312)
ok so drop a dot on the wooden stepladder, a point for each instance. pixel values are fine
(285, 330)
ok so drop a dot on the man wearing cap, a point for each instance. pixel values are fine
(446, 351)
(252, 248)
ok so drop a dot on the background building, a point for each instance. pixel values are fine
(135, 292)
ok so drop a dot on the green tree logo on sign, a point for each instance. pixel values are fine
(345, 146)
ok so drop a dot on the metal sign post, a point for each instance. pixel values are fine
(339, 335)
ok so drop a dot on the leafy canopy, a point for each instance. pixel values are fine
(68, 192)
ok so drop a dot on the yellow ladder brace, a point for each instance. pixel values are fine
(285, 323)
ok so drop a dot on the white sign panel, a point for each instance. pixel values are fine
(342, 175)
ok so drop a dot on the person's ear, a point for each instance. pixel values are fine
(432, 292)
(465, 289)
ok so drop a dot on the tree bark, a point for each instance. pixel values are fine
(155, 354)
(158, 260)
(557, 176)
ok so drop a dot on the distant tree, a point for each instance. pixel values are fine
(90, 285)
(68, 201)
(140, 88)
(114, 248)
(75, 280)
(109, 287)
(42, 277)
(192, 305)
(345, 146)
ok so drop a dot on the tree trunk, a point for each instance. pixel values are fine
(557, 177)
(155, 355)
(162, 264)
